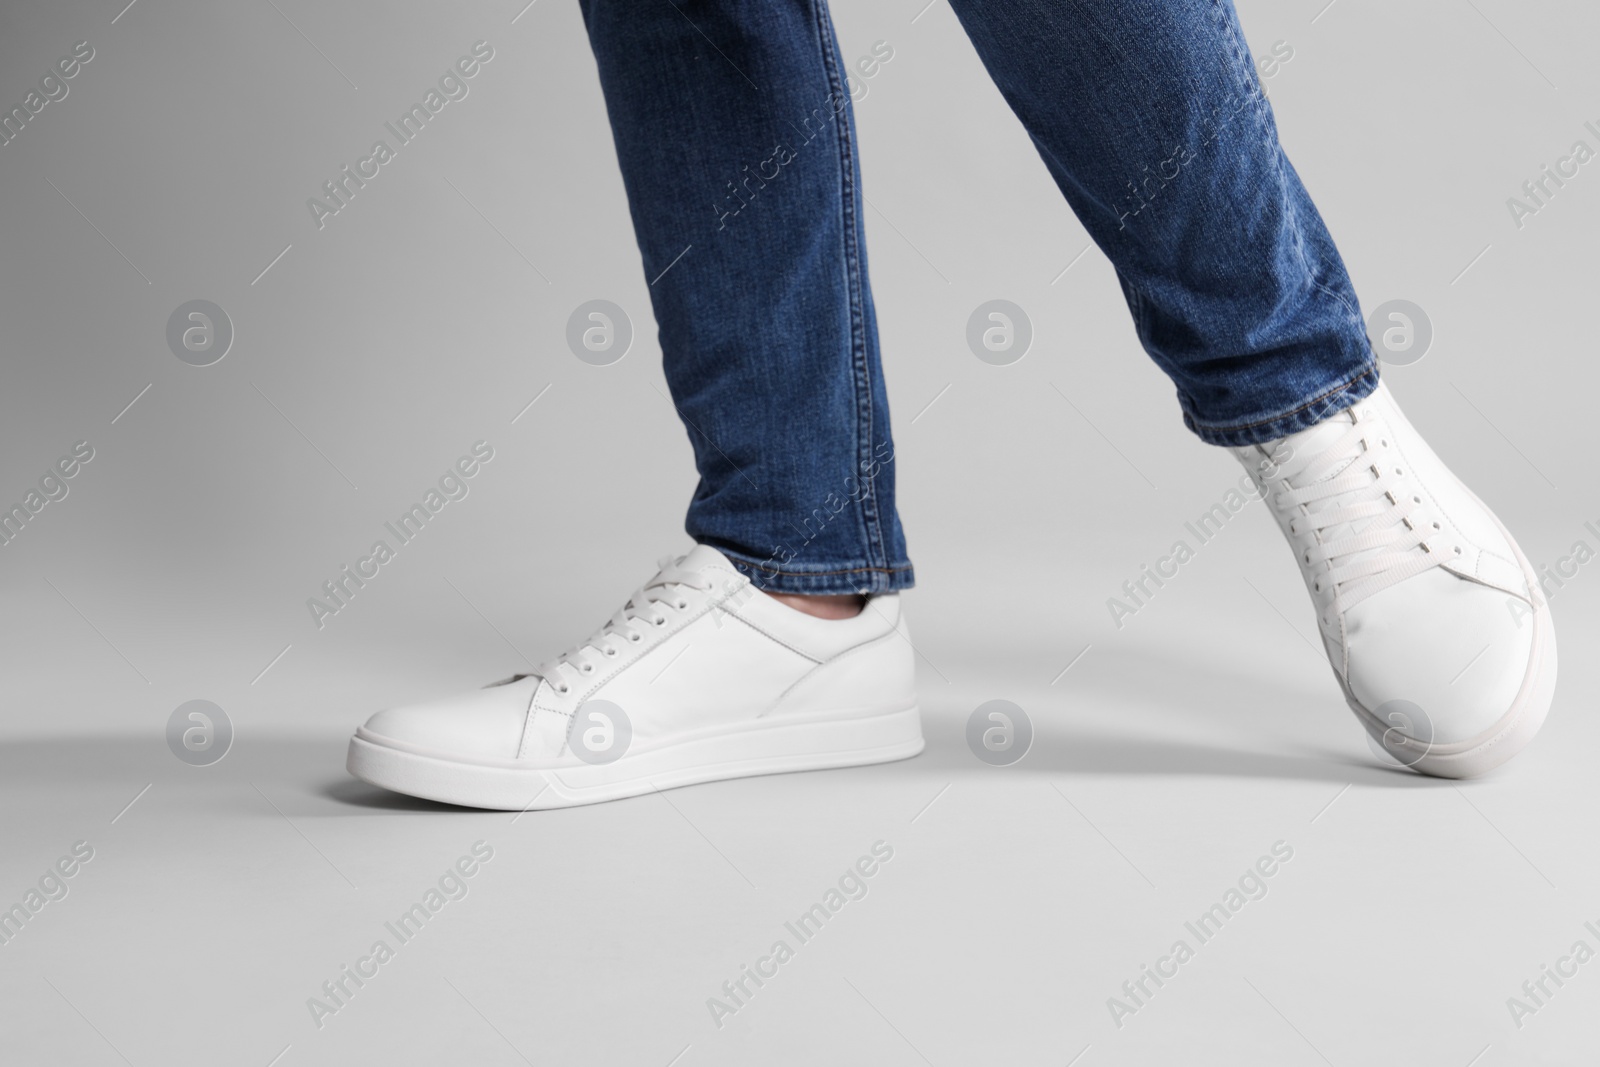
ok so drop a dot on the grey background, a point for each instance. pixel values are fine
(430, 312)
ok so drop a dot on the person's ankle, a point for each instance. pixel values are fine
(845, 606)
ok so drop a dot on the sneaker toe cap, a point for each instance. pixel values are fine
(1453, 648)
(486, 723)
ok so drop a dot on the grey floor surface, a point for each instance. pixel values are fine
(1016, 902)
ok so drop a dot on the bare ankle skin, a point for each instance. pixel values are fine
(846, 606)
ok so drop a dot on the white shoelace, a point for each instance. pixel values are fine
(1383, 540)
(644, 608)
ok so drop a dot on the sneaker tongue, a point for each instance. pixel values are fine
(1300, 449)
(704, 557)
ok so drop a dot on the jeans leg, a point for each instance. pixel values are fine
(733, 127)
(1150, 116)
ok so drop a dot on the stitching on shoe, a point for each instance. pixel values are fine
(711, 604)
(781, 697)
(534, 708)
(775, 640)
(705, 609)
(527, 718)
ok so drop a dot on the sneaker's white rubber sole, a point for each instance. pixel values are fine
(516, 785)
(1511, 734)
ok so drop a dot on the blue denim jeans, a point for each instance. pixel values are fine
(733, 127)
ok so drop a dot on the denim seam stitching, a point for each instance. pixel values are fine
(1264, 111)
(820, 574)
(871, 524)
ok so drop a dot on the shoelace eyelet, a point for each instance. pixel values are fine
(660, 620)
(587, 668)
(563, 689)
(635, 637)
(611, 652)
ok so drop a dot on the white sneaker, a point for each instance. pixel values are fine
(1428, 609)
(699, 677)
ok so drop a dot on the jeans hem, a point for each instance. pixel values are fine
(1344, 395)
(823, 579)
